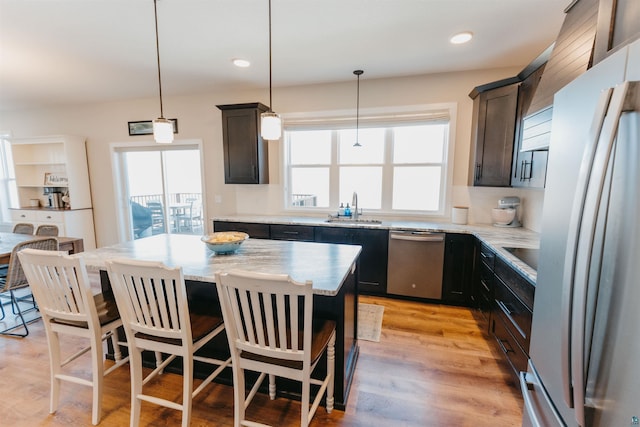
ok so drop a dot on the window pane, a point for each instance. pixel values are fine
(419, 144)
(144, 173)
(370, 151)
(183, 173)
(310, 147)
(366, 181)
(416, 188)
(310, 187)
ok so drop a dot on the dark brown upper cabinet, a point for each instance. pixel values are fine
(617, 26)
(246, 157)
(530, 167)
(494, 125)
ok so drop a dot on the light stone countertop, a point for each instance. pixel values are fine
(327, 265)
(495, 237)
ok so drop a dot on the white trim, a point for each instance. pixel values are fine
(368, 117)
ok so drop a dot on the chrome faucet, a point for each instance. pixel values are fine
(354, 204)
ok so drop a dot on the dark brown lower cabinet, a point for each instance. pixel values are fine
(373, 258)
(254, 230)
(515, 355)
(512, 314)
(458, 269)
(303, 233)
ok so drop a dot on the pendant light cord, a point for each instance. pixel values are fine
(155, 11)
(270, 95)
(358, 73)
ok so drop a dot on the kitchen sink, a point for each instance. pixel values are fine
(347, 220)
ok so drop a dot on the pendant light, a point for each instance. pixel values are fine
(270, 122)
(358, 73)
(162, 128)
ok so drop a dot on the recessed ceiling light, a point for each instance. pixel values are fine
(461, 37)
(242, 63)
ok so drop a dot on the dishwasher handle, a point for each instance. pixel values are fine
(418, 237)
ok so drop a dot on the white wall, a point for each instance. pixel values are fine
(198, 118)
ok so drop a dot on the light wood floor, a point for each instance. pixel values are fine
(432, 367)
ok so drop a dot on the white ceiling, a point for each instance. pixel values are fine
(63, 52)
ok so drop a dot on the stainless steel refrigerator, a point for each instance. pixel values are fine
(585, 340)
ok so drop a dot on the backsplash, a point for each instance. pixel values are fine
(481, 200)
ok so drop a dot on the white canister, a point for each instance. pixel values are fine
(459, 214)
(34, 203)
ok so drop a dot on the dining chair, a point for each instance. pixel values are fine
(152, 300)
(23, 228)
(47, 230)
(157, 217)
(62, 290)
(271, 330)
(16, 280)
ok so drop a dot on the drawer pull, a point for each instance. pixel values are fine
(485, 286)
(505, 309)
(503, 345)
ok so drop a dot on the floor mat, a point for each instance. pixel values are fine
(370, 321)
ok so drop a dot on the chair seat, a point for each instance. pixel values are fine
(107, 312)
(322, 330)
(201, 325)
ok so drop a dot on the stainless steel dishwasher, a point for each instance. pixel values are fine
(416, 260)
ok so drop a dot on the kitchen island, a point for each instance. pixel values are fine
(332, 268)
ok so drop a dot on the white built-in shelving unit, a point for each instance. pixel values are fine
(63, 157)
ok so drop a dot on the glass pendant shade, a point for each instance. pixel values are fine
(270, 126)
(163, 131)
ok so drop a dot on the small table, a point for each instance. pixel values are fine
(178, 211)
(9, 240)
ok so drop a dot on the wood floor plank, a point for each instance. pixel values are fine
(433, 366)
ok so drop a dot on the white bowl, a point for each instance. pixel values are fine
(503, 216)
(224, 242)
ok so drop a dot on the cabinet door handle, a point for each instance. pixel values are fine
(478, 171)
(524, 175)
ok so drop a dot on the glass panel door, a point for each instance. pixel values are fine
(164, 191)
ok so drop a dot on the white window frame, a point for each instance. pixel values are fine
(345, 119)
(118, 150)
(8, 186)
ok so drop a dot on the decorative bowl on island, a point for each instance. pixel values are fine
(224, 242)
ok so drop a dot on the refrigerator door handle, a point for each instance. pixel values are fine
(529, 384)
(572, 239)
(585, 246)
